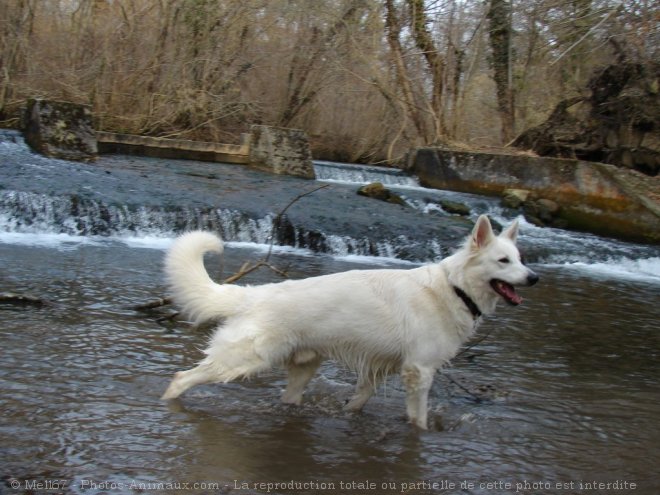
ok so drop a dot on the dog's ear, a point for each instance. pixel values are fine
(511, 231)
(482, 234)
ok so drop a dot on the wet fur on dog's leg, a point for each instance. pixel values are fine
(418, 381)
(363, 392)
(299, 376)
(183, 380)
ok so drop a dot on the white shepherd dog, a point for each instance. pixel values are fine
(374, 321)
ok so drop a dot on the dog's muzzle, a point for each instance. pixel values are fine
(532, 278)
(508, 291)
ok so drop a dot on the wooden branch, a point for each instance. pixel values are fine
(278, 218)
(23, 299)
(157, 303)
(593, 28)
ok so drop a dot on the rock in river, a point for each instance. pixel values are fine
(377, 190)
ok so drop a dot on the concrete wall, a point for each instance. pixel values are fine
(110, 142)
(593, 197)
(65, 130)
(273, 149)
(281, 151)
(60, 129)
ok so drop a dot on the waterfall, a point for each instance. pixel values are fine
(548, 246)
(344, 173)
(30, 213)
(37, 199)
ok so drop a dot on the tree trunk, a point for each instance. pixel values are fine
(499, 17)
(300, 94)
(434, 60)
(393, 27)
(13, 41)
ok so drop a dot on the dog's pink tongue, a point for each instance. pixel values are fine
(510, 293)
(515, 298)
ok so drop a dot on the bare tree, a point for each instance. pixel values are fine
(368, 79)
(393, 26)
(499, 17)
(435, 61)
(305, 61)
(17, 21)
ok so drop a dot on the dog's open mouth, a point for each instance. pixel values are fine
(507, 291)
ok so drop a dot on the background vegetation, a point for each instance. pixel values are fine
(367, 79)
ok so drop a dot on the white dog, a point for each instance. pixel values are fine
(374, 321)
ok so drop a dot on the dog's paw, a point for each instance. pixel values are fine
(174, 390)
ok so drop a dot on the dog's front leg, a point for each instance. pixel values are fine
(418, 380)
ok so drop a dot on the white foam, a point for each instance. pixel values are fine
(646, 270)
(351, 174)
(48, 240)
(147, 242)
(374, 260)
(264, 248)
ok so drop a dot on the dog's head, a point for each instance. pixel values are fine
(494, 266)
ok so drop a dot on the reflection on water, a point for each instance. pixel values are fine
(567, 384)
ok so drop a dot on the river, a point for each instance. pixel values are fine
(560, 396)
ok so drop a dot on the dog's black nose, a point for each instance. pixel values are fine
(532, 278)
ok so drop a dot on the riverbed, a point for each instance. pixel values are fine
(560, 395)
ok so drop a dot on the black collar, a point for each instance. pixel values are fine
(471, 305)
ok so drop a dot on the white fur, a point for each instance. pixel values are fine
(374, 321)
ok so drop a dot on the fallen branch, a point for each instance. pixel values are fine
(246, 269)
(157, 303)
(278, 219)
(473, 396)
(23, 299)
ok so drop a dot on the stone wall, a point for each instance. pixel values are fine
(111, 142)
(593, 197)
(65, 130)
(60, 129)
(281, 151)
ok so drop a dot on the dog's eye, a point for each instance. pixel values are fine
(503, 260)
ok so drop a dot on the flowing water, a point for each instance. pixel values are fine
(561, 395)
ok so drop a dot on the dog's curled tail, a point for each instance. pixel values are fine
(190, 285)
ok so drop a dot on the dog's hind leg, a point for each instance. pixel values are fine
(364, 391)
(183, 380)
(418, 381)
(300, 373)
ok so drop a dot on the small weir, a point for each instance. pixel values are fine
(43, 195)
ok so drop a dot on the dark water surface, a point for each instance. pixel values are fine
(562, 395)
(564, 389)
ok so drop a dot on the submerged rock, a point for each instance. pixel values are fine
(377, 190)
(60, 129)
(455, 207)
(515, 198)
(543, 213)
